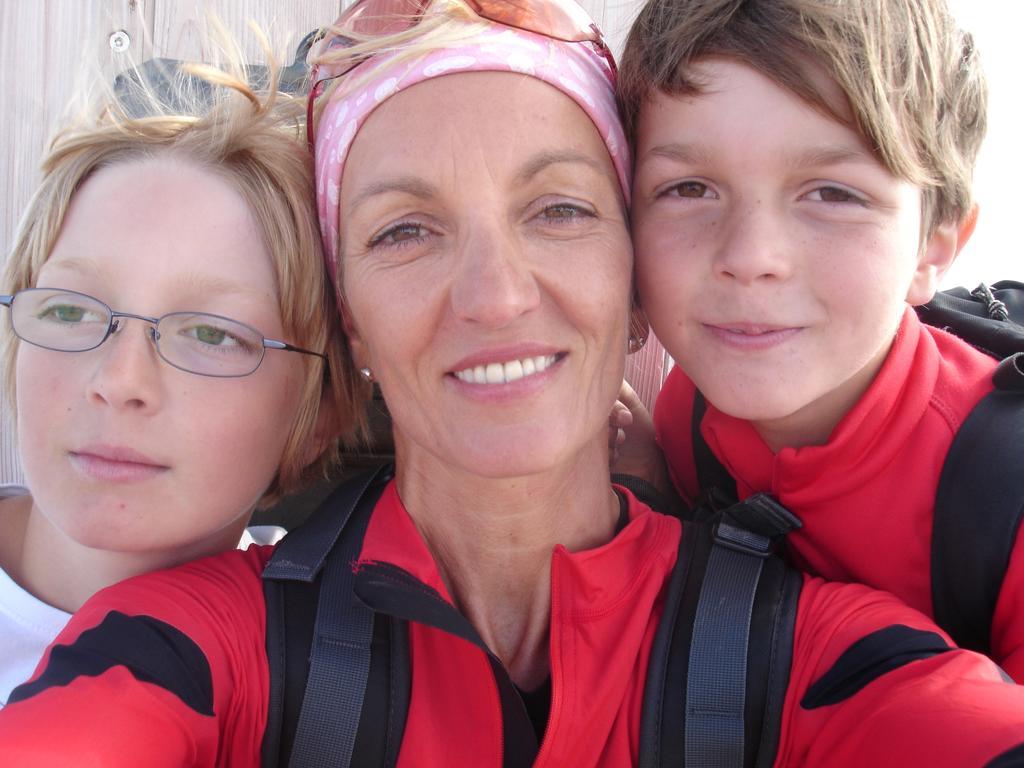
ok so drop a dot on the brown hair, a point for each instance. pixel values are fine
(255, 140)
(912, 78)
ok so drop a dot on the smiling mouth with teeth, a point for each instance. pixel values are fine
(504, 373)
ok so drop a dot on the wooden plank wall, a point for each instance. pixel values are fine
(46, 45)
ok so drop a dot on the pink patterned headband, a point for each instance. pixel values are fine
(576, 69)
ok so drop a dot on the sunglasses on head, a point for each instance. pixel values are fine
(563, 20)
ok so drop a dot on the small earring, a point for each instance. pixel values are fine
(635, 343)
(366, 373)
(639, 328)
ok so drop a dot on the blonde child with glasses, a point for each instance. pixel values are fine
(149, 432)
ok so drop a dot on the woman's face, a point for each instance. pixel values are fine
(122, 451)
(486, 270)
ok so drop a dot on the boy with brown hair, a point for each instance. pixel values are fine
(803, 179)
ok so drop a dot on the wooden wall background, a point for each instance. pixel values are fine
(45, 45)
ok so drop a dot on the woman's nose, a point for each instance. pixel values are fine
(753, 247)
(494, 283)
(127, 368)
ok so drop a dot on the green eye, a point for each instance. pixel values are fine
(207, 334)
(64, 313)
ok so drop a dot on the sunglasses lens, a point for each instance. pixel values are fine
(561, 19)
(376, 18)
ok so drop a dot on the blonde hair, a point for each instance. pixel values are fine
(255, 140)
(444, 24)
(912, 78)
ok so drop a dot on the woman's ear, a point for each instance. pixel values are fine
(938, 254)
(639, 327)
(360, 356)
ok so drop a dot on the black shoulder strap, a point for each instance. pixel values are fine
(979, 505)
(710, 472)
(719, 666)
(322, 655)
(717, 488)
(649, 494)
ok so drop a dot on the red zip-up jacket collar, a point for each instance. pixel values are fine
(605, 606)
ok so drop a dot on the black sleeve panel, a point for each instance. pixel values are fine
(1013, 758)
(151, 650)
(868, 659)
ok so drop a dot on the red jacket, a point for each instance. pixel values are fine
(194, 638)
(866, 497)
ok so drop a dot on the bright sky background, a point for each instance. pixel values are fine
(996, 251)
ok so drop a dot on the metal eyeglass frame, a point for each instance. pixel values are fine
(113, 326)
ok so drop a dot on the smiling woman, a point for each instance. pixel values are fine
(525, 255)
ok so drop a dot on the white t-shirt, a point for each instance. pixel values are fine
(28, 625)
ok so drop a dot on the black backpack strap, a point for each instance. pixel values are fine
(710, 471)
(291, 613)
(386, 703)
(650, 495)
(979, 505)
(662, 718)
(716, 691)
(329, 666)
(719, 666)
(713, 479)
(1009, 374)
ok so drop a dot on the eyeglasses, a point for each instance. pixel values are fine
(196, 342)
(563, 20)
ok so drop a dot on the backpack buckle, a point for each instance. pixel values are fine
(740, 540)
(754, 525)
(994, 308)
(710, 504)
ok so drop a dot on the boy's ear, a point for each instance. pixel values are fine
(938, 254)
(966, 228)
